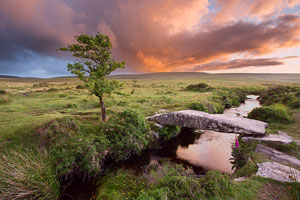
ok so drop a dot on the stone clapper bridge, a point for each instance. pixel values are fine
(253, 129)
(215, 122)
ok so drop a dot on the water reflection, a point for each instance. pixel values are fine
(212, 150)
(244, 109)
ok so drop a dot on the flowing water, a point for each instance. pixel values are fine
(244, 109)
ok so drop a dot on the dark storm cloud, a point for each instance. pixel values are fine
(149, 35)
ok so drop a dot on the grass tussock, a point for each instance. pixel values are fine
(27, 175)
(5, 99)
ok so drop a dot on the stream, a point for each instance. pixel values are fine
(201, 150)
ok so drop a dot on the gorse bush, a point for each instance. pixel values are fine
(80, 156)
(271, 114)
(168, 132)
(295, 104)
(128, 133)
(81, 87)
(27, 175)
(201, 87)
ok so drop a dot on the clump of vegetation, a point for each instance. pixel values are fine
(71, 105)
(198, 106)
(200, 87)
(128, 133)
(43, 84)
(168, 132)
(280, 94)
(241, 151)
(2, 92)
(272, 114)
(52, 90)
(247, 170)
(175, 184)
(123, 184)
(5, 99)
(80, 156)
(297, 94)
(56, 130)
(95, 64)
(27, 175)
(81, 87)
(295, 104)
(62, 95)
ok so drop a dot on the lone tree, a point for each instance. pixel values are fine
(94, 64)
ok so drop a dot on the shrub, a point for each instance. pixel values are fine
(2, 92)
(5, 99)
(216, 184)
(247, 170)
(80, 156)
(80, 87)
(280, 94)
(271, 114)
(297, 94)
(295, 104)
(176, 185)
(128, 134)
(62, 95)
(56, 130)
(27, 175)
(201, 87)
(197, 106)
(71, 105)
(168, 132)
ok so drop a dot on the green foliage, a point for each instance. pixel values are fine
(128, 133)
(5, 99)
(176, 185)
(95, 64)
(56, 130)
(2, 92)
(80, 156)
(247, 170)
(295, 104)
(43, 84)
(241, 153)
(201, 87)
(198, 106)
(27, 175)
(80, 87)
(294, 191)
(280, 94)
(297, 94)
(276, 113)
(71, 105)
(62, 95)
(168, 132)
(216, 184)
(122, 184)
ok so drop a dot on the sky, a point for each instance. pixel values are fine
(216, 36)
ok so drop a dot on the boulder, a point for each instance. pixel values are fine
(278, 172)
(280, 139)
(277, 155)
(215, 122)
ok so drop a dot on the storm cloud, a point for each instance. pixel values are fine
(149, 36)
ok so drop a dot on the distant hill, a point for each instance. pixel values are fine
(291, 78)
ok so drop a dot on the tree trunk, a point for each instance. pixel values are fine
(103, 111)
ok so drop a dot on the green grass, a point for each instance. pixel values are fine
(35, 102)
